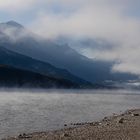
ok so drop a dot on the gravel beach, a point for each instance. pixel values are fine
(116, 127)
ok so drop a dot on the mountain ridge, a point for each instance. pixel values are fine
(64, 57)
(13, 77)
(20, 61)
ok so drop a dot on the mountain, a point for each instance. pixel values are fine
(12, 77)
(20, 61)
(27, 43)
(12, 24)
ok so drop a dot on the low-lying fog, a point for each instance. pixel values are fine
(25, 111)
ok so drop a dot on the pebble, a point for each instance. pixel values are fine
(105, 119)
(135, 114)
(65, 135)
(78, 123)
(65, 124)
(121, 120)
(95, 123)
(23, 136)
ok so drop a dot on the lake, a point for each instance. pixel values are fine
(25, 111)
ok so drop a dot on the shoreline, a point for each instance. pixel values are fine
(125, 126)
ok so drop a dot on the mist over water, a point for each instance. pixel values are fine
(25, 111)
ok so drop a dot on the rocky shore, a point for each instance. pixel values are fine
(116, 127)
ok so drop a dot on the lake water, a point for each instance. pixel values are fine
(38, 110)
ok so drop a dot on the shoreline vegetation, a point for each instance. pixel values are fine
(116, 127)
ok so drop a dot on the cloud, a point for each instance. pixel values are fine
(14, 33)
(92, 19)
(95, 19)
(115, 21)
(17, 6)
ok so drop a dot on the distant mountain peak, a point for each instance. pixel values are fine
(13, 24)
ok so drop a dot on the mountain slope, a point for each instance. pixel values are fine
(62, 56)
(26, 63)
(12, 77)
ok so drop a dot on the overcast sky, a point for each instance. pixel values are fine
(115, 21)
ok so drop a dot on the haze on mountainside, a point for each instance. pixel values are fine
(18, 78)
(14, 37)
(89, 41)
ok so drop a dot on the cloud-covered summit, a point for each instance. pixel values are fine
(114, 21)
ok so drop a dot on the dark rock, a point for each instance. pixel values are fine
(23, 136)
(105, 119)
(65, 135)
(91, 124)
(136, 114)
(97, 123)
(20, 135)
(121, 120)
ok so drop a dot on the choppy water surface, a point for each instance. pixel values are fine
(30, 111)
